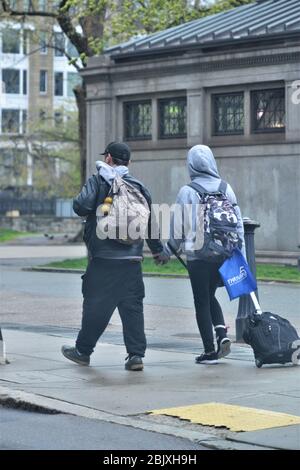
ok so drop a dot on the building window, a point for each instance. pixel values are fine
(43, 81)
(43, 42)
(11, 80)
(10, 121)
(43, 115)
(42, 5)
(59, 84)
(59, 44)
(172, 118)
(10, 41)
(58, 118)
(25, 42)
(138, 120)
(73, 79)
(71, 49)
(28, 5)
(268, 110)
(24, 82)
(228, 113)
(24, 121)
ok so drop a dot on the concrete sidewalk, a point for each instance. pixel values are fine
(39, 375)
(17, 251)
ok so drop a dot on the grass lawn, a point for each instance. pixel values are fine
(278, 272)
(7, 235)
(264, 271)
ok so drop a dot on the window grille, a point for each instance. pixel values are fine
(268, 110)
(138, 120)
(228, 113)
(172, 118)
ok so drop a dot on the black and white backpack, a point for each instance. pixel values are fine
(219, 223)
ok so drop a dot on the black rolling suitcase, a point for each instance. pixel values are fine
(273, 339)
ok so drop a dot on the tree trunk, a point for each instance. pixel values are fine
(80, 95)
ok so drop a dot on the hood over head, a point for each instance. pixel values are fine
(201, 161)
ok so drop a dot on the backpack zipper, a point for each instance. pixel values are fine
(279, 342)
(278, 333)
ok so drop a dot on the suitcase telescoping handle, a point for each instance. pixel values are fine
(177, 256)
(258, 310)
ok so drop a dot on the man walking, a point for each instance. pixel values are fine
(113, 278)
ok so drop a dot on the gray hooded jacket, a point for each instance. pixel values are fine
(203, 170)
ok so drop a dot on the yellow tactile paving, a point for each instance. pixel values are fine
(236, 418)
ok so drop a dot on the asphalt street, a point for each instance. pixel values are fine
(35, 298)
(25, 430)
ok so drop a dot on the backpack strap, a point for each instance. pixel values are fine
(198, 188)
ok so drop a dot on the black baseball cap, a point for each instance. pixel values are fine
(118, 150)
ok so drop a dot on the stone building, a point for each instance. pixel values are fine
(230, 81)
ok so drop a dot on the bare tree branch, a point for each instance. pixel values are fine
(68, 56)
(7, 9)
(64, 21)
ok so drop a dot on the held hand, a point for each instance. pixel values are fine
(161, 258)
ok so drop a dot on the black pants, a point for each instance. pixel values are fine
(107, 285)
(205, 279)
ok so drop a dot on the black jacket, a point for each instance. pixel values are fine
(85, 204)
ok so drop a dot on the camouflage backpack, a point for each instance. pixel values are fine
(217, 221)
(125, 216)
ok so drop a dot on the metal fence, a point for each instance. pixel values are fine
(37, 206)
(64, 208)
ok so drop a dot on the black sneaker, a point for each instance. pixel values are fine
(134, 363)
(74, 355)
(207, 358)
(224, 345)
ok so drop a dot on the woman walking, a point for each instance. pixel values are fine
(203, 271)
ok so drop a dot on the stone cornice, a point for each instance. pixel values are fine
(194, 65)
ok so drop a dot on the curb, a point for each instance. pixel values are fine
(81, 271)
(38, 403)
(54, 270)
(148, 274)
(278, 281)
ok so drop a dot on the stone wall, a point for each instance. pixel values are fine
(42, 224)
(266, 184)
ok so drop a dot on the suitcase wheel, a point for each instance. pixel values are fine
(258, 363)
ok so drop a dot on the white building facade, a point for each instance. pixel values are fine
(36, 85)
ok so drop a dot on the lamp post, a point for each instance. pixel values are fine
(3, 359)
(245, 303)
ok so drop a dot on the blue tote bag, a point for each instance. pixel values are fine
(236, 275)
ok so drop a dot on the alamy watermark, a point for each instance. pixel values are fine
(183, 222)
(296, 93)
